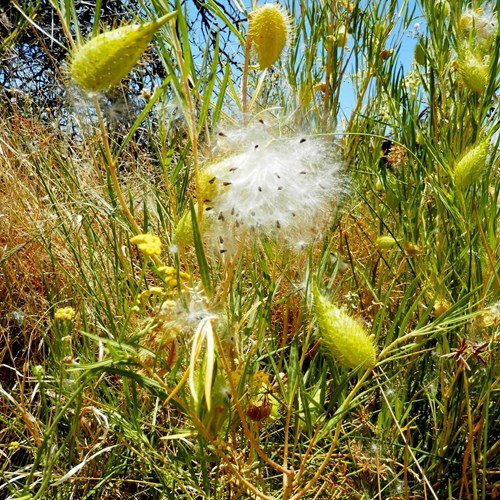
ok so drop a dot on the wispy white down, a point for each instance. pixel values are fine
(285, 188)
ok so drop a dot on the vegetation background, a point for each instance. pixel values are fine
(187, 373)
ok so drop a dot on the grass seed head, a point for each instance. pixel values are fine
(106, 59)
(343, 336)
(269, 29)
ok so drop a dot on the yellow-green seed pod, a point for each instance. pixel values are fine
(342, 37)
(343, 336)
(106, 59)
(184, 230)
(471, 166)
(419, 53)
(385, 242)
(473, 72)
(268, 30)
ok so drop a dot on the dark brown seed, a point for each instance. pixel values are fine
(208, 209)
(212, 180)
(222, 134)
(260, 189)
(302, 141)
(227, 183)
(221, 216)
(278, 225)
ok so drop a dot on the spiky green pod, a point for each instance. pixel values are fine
(106, 59)
(343, 336)
(473, 71)
(184, 230)
(269, 30)
(385, 242)
(471, 166)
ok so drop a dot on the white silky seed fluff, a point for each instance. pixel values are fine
(284, 188)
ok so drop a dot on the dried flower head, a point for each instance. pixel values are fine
(282, 187)
(106, 59)
(148, 244)
(268, 30)
(343, 336)
(396, 156)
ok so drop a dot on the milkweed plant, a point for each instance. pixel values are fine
(289, 289)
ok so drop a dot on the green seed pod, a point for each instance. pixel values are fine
(385, 242)
(184, 230)
(269, 30)
(343, 336)
(473, 72)
(471, 166)
(106, 59)
(419, 53)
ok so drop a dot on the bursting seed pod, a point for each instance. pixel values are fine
(268, 29)
(105, 60)
(343, 336)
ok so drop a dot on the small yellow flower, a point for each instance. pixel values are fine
(65, 314)
(14, 445)
(148, 244)
(154, 291)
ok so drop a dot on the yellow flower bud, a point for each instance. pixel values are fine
(106, 59)
(268, 29)
(343, 336)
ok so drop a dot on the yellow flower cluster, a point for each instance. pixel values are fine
(154, 291)
(65, 314)
(170, 275)
(148, 244)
